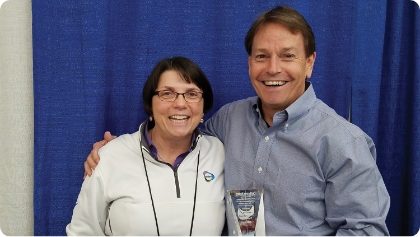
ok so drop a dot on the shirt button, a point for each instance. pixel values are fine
(266, 138)
(260, 169)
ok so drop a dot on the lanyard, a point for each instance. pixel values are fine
(151, 196)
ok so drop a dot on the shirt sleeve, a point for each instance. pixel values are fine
(215, 125)
(356, 198)
(90, 212)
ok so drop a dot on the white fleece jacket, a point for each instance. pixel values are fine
(115, 200)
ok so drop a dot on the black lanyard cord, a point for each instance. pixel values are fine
(195, 193)
(151, 196)
(150, 191)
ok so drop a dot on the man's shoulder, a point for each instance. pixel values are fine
(235, 110)
(337, 124)
(240, 104)
(210, 140)
(245, 101)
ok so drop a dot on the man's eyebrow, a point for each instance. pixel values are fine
(261, 50)
(288, 49)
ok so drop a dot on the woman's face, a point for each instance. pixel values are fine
(177, 119)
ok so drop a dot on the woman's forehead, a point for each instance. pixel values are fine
(173, 79)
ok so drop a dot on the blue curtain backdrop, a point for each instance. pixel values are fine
(91, 59)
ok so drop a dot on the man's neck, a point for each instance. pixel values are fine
(268, 112)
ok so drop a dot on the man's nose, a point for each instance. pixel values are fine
(274, 65)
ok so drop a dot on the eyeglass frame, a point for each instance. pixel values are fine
(177, 94)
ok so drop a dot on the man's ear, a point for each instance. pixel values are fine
(310, 61)
(249, 66)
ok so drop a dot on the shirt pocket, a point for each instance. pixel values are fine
(299, 198)
(299, 183)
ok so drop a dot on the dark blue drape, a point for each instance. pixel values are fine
(91, 59)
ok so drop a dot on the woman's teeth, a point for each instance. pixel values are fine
(178, 117)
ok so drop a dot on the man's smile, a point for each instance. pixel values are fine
(274, 83)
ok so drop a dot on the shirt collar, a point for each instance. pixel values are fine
(294, 111)
(302, 105)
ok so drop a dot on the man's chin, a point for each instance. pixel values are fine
(274, 103)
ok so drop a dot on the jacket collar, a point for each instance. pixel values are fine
(146, 143)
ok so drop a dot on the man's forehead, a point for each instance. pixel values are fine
(274, 39)
(276, 30)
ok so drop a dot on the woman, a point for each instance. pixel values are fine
(165, 179)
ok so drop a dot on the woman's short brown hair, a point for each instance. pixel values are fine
(188, 70)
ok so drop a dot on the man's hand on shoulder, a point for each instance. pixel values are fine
(93, 157)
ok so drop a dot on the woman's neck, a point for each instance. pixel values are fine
(168, 149)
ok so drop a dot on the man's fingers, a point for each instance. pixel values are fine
(108, 136)
(93, 157)
(88, 170)
(94, 153)
(91, 161)
(99, 144)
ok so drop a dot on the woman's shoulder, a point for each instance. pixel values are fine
(211, 146)
(123, 146)
(117, 158)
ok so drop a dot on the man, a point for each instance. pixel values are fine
(317, 170)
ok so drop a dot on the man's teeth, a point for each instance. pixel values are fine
(179, 117)
(274, 83)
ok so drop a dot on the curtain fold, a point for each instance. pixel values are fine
(387, 105)
(91, 59)
(16, 118)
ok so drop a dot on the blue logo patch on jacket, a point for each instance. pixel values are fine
(208, 176)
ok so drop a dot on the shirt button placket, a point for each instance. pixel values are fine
(263, 151)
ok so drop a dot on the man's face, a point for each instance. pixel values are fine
(278, 67)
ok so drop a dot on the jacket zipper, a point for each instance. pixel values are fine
(178, 192)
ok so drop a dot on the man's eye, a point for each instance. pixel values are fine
(289, 56)
(260, 57)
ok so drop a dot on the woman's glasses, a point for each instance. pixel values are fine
(170, 96)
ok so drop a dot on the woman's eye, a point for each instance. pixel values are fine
(166, 93)
(192, 94)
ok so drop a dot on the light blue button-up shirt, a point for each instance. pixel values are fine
(317, 170)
